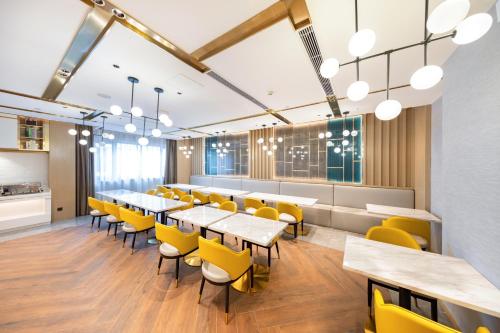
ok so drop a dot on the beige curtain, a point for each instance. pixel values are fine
(261, 165)
(197, 156)
(84, 171)
(171, 162)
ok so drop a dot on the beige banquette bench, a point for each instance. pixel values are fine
(339, 206)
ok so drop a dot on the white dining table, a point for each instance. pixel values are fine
(185, 187)
(301, 201)
(201, 216)
(223, 191)
(418, 214)
(442, 277)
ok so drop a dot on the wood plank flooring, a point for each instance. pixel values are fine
(75, 280)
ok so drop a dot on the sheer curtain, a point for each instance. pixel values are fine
(124, 164)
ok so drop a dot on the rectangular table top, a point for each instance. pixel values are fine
(222, 191)
(446, 278)
(303, 201)
(253, 229)
(145, 201)
(201, 216)
(404, 212)
(184, 186)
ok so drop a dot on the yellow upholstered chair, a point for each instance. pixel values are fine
(97, 211)
(178, 194)
(200, 198)
(418, 229)
(174, 245)
(168, 195)
(151, 192)
(269, 213)
(216, 199)
(162, 189)
(391, 318)
(229, 206)
(187, 198)
(291, 214)
(250, 205)
(223, 266)
(134, 223)
(114, 215)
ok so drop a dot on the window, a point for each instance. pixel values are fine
(226, 155)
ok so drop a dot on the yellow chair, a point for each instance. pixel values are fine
(216, 199)
(391, 318)
(223, 266)
(291, 214)
(162, 189)
(97, 211)
(174, 245)
(189, 199)
(250, 205)
(232, 207)
(168, 195)
(200, 198)
(134, 223)
(151, 192)
(114, 215)
(418, 229)
(178, 193)
(269, 213)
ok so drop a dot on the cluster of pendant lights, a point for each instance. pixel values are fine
(272, 142)
(345, 133)
(187, 151)
(221, 146)
(86, 133)
(447, 16)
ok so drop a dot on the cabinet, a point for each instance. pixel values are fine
(33, 134)
(8, 132)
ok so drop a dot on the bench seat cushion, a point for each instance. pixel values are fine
(318, 214)
(354, 219)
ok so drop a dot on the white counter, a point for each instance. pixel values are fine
(24, 211)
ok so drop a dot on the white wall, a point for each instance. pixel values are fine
(17, 167)
(466, 162)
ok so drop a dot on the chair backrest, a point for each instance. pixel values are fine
(230, 206)
(392, 236)
(96, 204)
(190, 201)
(162, 189)
(412, 226)
(151, 192)
(215, 197)
(178, 192)
(139, 221)
(112, 209)
(234, 263)
(291, 209)
(267, 213)
(168, 195)
(200, 196)
(391, 318)
(253, 203)
(173, 236)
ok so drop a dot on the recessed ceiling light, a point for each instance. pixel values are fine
(116, 66)
(179, 93)
(118, 13)
(98, 2)
(63, 72)
(102, 95)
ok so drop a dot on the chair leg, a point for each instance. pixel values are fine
(278, 250)
(251, 277)
(99, 224)
(434, 310)
(302, 227)
(92, 225)
(227, 303)
(133, 243)
(370, 295)
(124, 239)
(201, 288)
(109, 227)
(116, 229)
(222, 239)
(269, 256)
(176, 272)
(236, 240)
(159, 265)
(295, 230)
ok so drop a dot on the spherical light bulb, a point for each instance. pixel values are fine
(163, 117)
(92, 149)
(214, 145)
(269, 152)
(354, 133)
(329, 68)
(224, 150)
(130, 128)
(264, 148)
(105, 135)
(388, 109)
(221, 155)
(143, 141)
(343, 154)
(168, 122)
(97, 145)
(83, 142)
(156, 132)
(187, 156)
(116, 110)
(275, 147)
(358, 90)
(426, 77)
(345, 142)
(217, 151)
(336, 150)
(111, 136)
(72, 132)
(321, 135)
(260, 141)
(271, 139)
(85, 132)
(472, 28)
(136, 111)
(329, 144)
(190, 152)
(447, 15)
(219, 144)
(362, 42)
(328, 134)
(346, 133)
(228, 144)
(280, 139)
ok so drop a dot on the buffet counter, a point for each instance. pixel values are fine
(24, 211)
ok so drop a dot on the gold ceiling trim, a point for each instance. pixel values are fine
(266, 18)
(35, 111)
(88, 36)
(298, 13)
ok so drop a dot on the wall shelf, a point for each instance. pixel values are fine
(33, 134)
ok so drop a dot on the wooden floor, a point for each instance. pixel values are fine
(75, 280)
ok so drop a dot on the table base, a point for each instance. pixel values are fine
(289, 230)
(193, 259)
(260, 279)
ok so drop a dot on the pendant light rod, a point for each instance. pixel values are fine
(158, 91)
(133, 81)
(425, 31)
(388, 74)
(144, 128)
(356, 27)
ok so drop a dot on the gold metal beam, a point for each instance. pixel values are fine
(266, 18)
(88, 36)
(298, 13)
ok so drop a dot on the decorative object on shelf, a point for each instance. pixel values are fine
(156, 132)
(390, 108)
(143, 140)
(32, 134)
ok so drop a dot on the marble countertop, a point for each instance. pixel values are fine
(446, 278)
(256, 230)
(184, 186)
(25, 196)
(144, 201)
(201, 216)
(303, 201)
(405, 212)
(222, 191)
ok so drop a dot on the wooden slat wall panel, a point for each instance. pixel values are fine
(261, 165)
(197, 156)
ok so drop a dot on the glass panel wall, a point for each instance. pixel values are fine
(227, 155)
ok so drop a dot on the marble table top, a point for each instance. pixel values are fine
(188, 187)
(302, 201)
(145, 201)
(404, 212)
(256, 230)
(201, 216)
(222, 191)
(446, 278)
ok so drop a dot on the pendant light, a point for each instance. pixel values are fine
(429, 75)
(156, 131)
(224, 144)
(274, 145)
(390, 108)
(134, 110)
(327, 134)
(104, 135)
(83, 141)
(472, 28)
(116, 110)
(216, 144)
(447, 15)
(143, 141)
(363, 40)
(329, 68)
(130, 127)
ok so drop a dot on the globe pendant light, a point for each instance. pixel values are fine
(83, 142)
(472, 28)
(92, 150)
(362, 42)
(116, 110)
(72, 132)
(84, 132)
(358, 90)
(156, 131)
(143, 141)
(390, 108)
(447, 15)
(329, 68)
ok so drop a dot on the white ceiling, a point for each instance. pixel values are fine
(242, 125)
